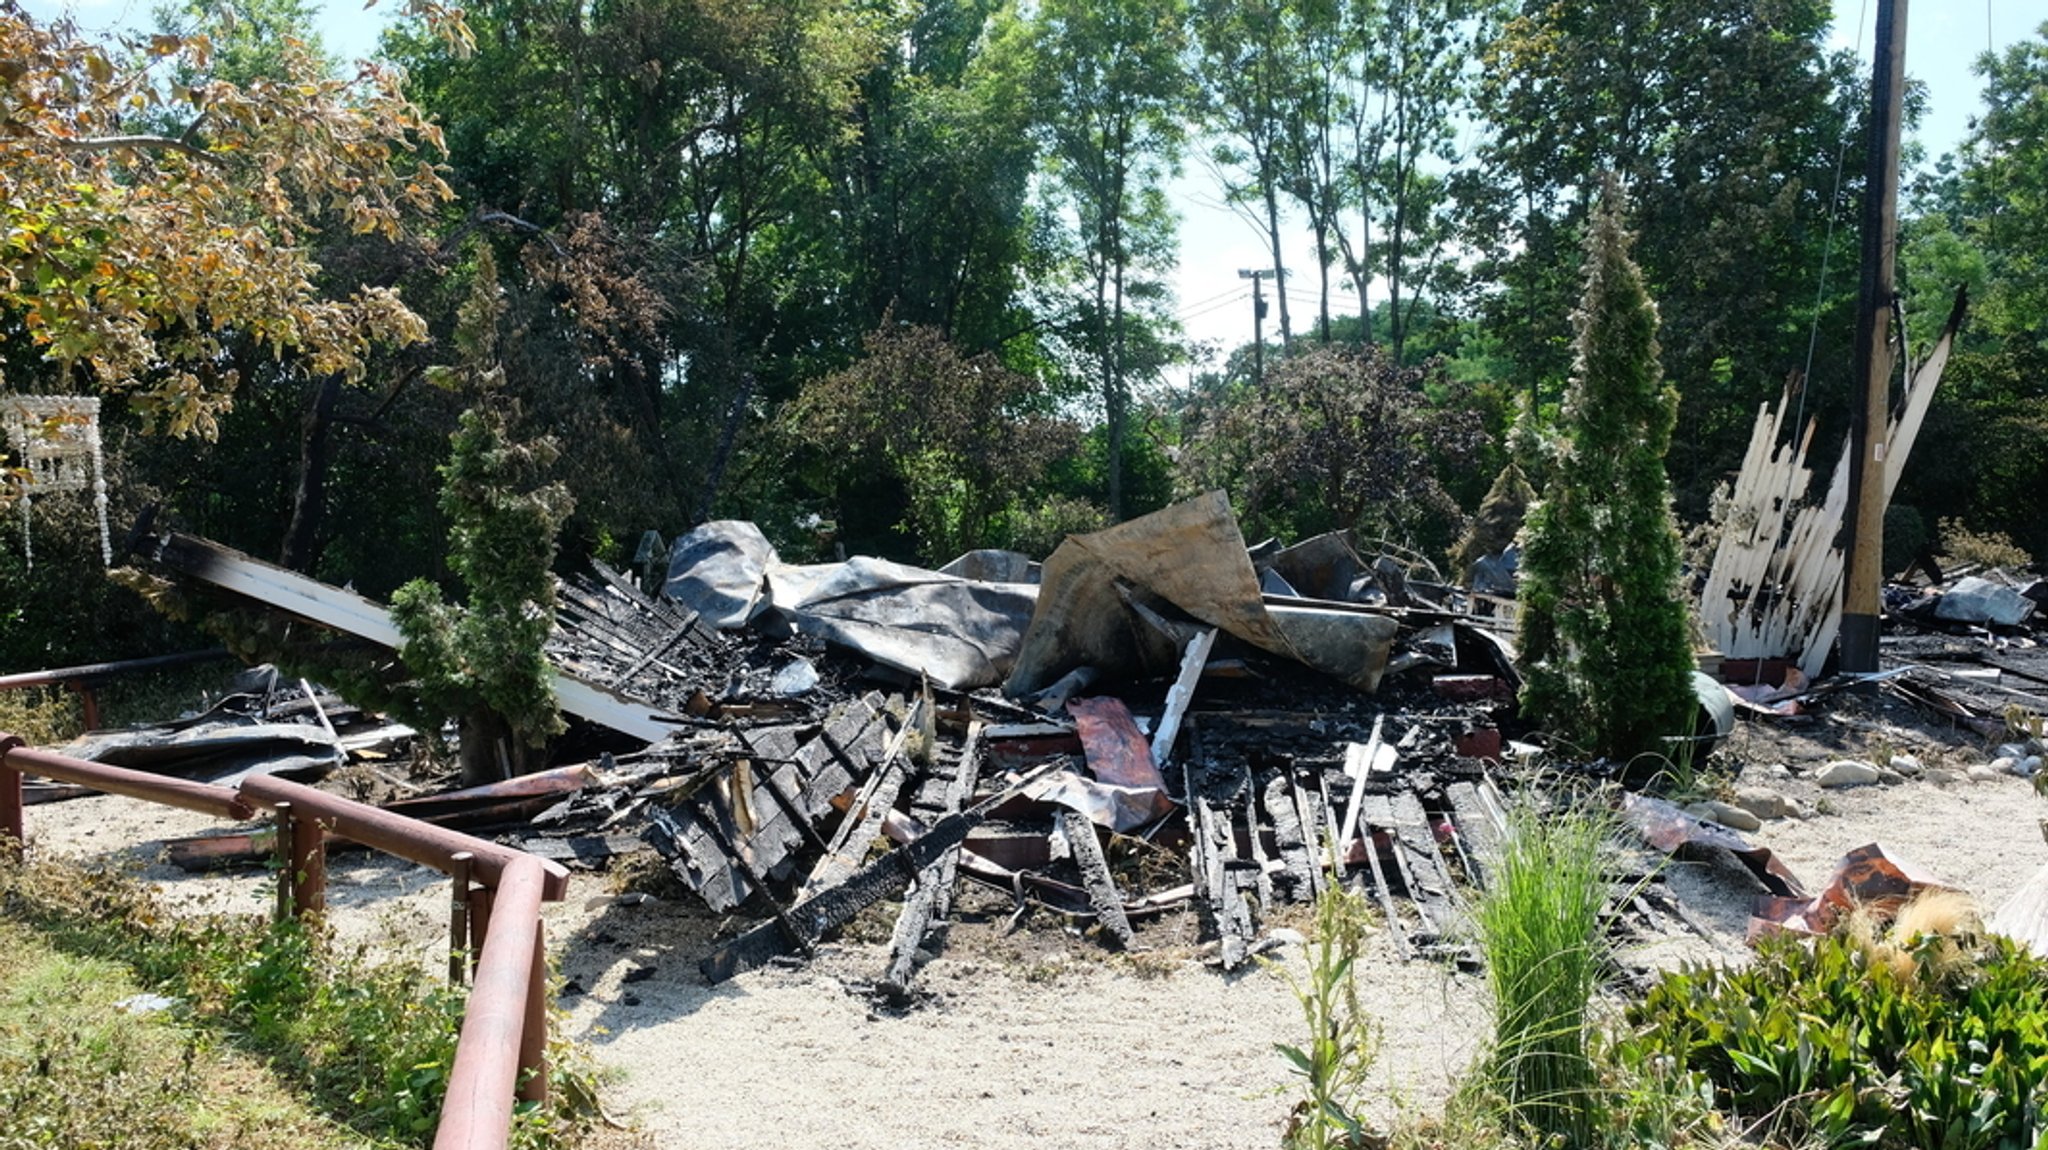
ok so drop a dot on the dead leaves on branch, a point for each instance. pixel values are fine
(137, 256)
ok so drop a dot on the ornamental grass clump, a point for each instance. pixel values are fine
(1539, 928)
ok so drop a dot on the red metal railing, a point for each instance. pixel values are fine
(82, 679)
(501, 1053)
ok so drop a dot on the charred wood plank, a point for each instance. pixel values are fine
(1297, 879)
(1095, 877)
(1478, 830)
(883, 878)
(1377, 879)
(1222, 878)
(1256, 841)
(861, 827)
(932, 898)
(1310, 819)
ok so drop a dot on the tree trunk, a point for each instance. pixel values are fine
(488, 751)
(309, 501)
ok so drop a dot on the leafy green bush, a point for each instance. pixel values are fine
(1846, 1043)
(371, 1042)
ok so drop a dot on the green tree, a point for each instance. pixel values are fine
(688, 143)
(958, 432)
(1403, 91)
(482, 662)
(132, 259)
(1251, 91)
(1606, 657)
(1727, 118)
(1977, 223)
(1339, 438)
(936, 177)
(1114, 96)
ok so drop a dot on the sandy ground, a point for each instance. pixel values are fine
(1038, 1038)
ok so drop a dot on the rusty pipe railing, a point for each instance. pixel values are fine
(81, 680)
(501, 1051)
(205, 798)
(395, 834)
(510, 976)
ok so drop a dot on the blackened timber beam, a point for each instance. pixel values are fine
(887, 876)
(932, 898)
(348, 612)
(1095, 877)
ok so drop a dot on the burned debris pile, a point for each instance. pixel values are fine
(1158, 717)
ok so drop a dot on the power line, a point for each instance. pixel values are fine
(1215, 307)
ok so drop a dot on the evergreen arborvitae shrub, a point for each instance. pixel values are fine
(482, 662)
(1606, 657)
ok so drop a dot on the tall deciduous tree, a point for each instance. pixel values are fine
(1605, 651)
(136, 258)
(1728, 117)
(1338, 438)
(1114, 99)
(1982, 222)
(957, 431)
(1252, 80)
(696, 135)
(1408, 90)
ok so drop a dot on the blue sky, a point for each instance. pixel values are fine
(1942, 40)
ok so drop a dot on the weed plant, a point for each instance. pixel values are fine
(370, 1043)
(1539, 926)
(1342, 1042)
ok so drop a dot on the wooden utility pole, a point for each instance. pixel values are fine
(1257, 276)
(1872, 363)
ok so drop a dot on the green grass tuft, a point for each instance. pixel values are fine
(1539, 926)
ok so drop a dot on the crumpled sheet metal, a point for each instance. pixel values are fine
(1669, 829)
(223, 752)
(1127, 791)
(1193, 556)
(1866, 876)
(961, 633)
(716, 571)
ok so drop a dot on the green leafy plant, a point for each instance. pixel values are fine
(1333, 1062)
(1539, 928)
(370, 1043)
(1926, 1035)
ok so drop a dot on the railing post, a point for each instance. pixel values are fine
(458, 917)
(285, 853)
(88, 704)
(480, 899)
(533, 1033)
(309, 867)
(302, 864)
(13, 831)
